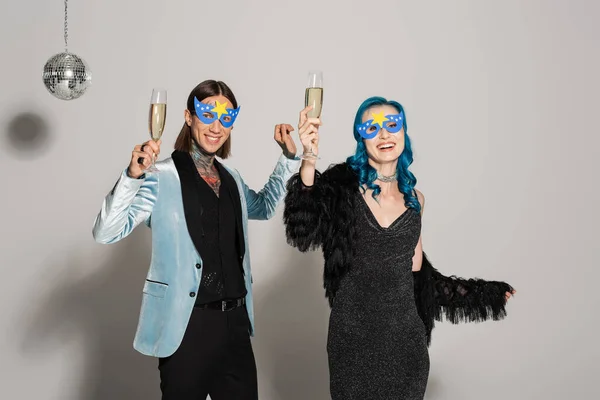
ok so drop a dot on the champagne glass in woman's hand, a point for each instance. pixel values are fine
(313, 97)
(308, 130)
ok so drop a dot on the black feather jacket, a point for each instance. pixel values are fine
(323, 215)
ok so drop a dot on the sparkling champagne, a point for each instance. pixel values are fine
(158, 116)
(314, 97)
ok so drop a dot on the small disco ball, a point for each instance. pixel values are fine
(66, 76)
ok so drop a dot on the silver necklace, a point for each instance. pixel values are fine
(387, 179)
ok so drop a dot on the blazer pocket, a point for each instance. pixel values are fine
(156, 289)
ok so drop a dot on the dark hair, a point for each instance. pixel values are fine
(205, 89)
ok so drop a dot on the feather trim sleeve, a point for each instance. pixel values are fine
(457, 299)
(304, 213)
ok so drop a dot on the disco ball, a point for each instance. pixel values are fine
(66, 76)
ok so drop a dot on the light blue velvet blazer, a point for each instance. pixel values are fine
(173, 273)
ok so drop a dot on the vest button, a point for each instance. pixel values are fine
(198, 266)
(192, 294)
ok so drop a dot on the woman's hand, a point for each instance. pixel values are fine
(308, 130)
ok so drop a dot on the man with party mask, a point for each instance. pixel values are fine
(384, 294)
(197, 311)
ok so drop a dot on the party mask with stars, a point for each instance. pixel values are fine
(208, 113)
(392, 123)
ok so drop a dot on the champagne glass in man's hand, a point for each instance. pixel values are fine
(157, 119)
(144, 155)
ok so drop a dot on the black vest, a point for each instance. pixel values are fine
(215, 226)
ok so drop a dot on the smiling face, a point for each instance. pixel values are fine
(210, 137)
(384, 147)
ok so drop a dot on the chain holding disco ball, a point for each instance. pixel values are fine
(66, 75)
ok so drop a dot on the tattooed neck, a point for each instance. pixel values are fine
(202, 160)
(206, 167)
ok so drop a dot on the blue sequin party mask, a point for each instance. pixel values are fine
(392, 123)
(208, 113)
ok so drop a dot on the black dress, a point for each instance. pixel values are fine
(382, 313)
(377, 342)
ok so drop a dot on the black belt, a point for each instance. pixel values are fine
(223, 305)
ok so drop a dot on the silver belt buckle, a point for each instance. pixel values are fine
(237, 303)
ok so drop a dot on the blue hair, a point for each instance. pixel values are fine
(359, 161)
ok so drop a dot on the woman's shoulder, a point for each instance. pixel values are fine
(421, 198)
(340, 173)
(338, 177)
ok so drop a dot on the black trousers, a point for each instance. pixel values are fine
(215, 358)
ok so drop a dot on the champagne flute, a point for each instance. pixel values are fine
(313, 96)
(157, 119)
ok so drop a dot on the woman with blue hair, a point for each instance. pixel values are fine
(385, 295)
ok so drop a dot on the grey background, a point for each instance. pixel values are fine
(502, 104)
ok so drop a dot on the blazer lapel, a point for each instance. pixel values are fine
(192, 208)
(232, 188)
